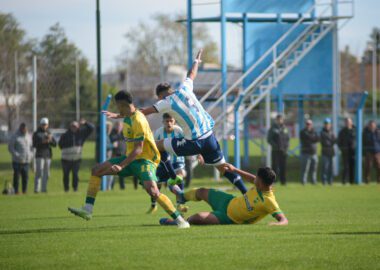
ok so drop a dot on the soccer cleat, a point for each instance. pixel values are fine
(152, 209)
(167, 221)
(182, 208)
(183, 224)
(176, 181)
(170, 222)
(81, 212)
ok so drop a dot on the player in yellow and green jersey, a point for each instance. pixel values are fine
(250, 208)
(141, 160)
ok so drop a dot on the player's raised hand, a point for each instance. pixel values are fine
(111, 115)
(229, 167)
(116, 168)
(199, 55)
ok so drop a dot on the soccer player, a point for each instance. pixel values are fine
(169, 130)
(196, 123)
(140, 160)
(250, 208)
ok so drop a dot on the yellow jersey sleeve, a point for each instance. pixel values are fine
(271, 206)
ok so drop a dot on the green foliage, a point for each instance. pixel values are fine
(164, 37)
(57, 58)
(14, 47)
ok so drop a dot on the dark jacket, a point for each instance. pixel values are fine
(278, 137)
(120, 149)
(327, 141)
(71, 142)
(43, 148)
(371, 141)
(309, 141)
(347, 140)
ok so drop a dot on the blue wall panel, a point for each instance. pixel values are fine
(313, 75)
(268, 6)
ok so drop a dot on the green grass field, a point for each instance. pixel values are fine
(334, 227)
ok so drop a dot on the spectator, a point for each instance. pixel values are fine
(309, 158)
(43, 141)
(347, 145)
(119, 147)
(327, 141)
(278, 138)
(371, 147)
(71, 143)
(20, 146)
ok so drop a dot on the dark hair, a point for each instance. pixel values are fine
(22, 126)
(167, 116)
(267, 175)
(124, 95)
(279, 116)
(162, 87)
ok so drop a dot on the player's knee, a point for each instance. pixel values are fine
(153, 192)
(202, 193)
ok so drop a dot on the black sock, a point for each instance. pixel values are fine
(235, 179)
(153, 202)
(165, 160)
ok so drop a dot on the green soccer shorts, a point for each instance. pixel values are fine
(143, 169)
(219, 200)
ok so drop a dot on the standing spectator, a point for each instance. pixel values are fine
(71, 143)
(43, 141)
(20, 146)
(327, 141)
(119, 147)
(347, 145)
(309, 158)
(278, 138)
(371, 147)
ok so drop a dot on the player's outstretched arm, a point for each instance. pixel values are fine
(281, 220)
(137, 150)
(149, 110)
(192, 73)
(112, 115)
(245, 175)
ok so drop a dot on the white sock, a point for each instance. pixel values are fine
(180, 219)
(88, 207)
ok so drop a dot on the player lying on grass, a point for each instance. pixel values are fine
(196, 123)
(140, 161)
(169, 130)
(250, 208)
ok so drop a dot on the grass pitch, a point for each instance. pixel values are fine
(334, 227)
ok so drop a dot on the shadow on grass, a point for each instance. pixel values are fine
(70, 216)
(355, 233)
(58, 230)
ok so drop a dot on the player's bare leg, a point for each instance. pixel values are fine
(203, 218)
(152, 189)
(97, 172)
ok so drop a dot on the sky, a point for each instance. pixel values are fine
(77, 17)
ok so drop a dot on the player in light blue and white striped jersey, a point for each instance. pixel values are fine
(169, 130)
(196, 123)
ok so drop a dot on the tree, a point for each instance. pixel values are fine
(57, 58)
(12, 41)
(166, 38)
(374, 39)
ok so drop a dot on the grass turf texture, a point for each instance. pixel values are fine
(330, 228)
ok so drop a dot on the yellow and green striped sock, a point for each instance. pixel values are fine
(93, 188)
(168, 206)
